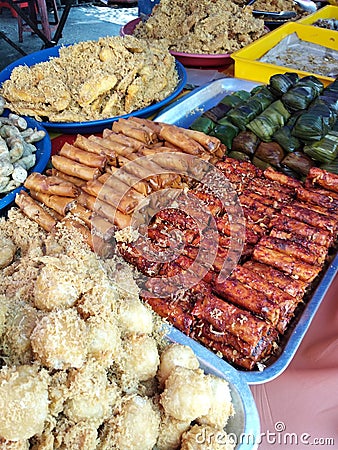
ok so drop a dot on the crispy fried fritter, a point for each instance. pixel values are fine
(93, 80)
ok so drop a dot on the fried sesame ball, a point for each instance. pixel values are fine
(187, 394)
(23, 401)
(176, 355)
(137, 424)
(59, 340)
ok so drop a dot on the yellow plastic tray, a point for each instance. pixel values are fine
(246, 59)
(328, 12)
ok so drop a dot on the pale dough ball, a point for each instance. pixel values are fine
(23, 402)
(221, 404)
(59, 340)
(187, 394)
(104, 340)
(171, 431)
(91, 396)
(176, 355)
(137, 425)
(204, 437)
(135, 317)
(54, 289)
(141, 358)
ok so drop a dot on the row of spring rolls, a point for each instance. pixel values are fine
(93, 181)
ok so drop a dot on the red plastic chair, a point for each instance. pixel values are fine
(13, 12)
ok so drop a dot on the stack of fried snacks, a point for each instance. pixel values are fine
(282, 242)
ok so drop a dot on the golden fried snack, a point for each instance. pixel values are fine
(91, 395)
(54, 289)
(7, 251)
(137, 424)
(135, 317)
(104, 341)
(221, 401)
(176, 355)
(59, 340)
(23, 401)
(187, 394)
(171, 431)
(34, 211)
(140, 358)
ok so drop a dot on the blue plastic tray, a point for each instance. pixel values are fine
(94, 126)
(43, 152)
(183, 112)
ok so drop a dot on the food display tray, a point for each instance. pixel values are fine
(182, 113)
(328, 12)
(93, 126)
(248, 66)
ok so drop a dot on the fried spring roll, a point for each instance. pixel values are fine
(82, 213)
(155, 127)
(112, 214)
(242, 168)
(210, 143)
(271, 189)
(281, 178)
(83, 156)
(291, 248)
(245, 297)
(74, 180)
(179, 138)
(310, 217)
(283, 301)
(206, 330)
(128, 129)
(323, 178)
(314, 234)
(118, 149)
(129, 179)
(296, 288)
(122, 139)
(257, 205)
(100, 247)
(213, 203)
(135, 256)
(85, 143)
(167, 158)
(34, 211)
(312, 196)
(59, 204)
(225, 316)
(125, 201)
(50, 185)
(114, 180)
(319, 250)
(102, 227)
(229, 353)
(287, 264)
(75, 169)
(172, 311)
